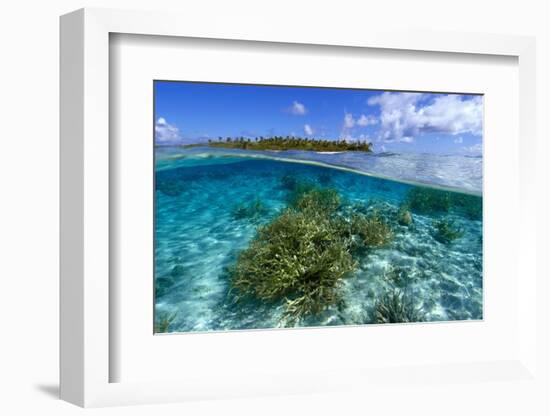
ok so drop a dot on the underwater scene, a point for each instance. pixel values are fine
(287, 231)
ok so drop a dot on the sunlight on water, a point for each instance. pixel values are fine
(460, 172)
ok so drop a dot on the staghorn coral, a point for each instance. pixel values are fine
(297, 188)
(371, 230)
(170, 186)
(471, 206)
(163, 322)
(395, 307)
(445, 231)
(404, 216)
(252, 210)
(300, 259)
(318, 201)
(324, 178)
(398, 276)
(289, 182)
(428, 201)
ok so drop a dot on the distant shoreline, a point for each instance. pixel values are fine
(278, 143)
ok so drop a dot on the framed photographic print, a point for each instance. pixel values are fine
(288, 221)
(371, 213)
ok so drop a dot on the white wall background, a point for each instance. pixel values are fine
(29, 56)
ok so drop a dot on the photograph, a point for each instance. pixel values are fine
(218, 208)
(280, 206)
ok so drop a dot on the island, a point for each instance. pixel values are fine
(291, 143)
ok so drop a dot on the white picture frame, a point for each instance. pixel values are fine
(85, 210)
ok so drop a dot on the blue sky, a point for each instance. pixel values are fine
(393, 121)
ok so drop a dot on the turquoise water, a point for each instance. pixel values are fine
(201, 194)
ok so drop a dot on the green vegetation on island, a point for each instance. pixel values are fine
(291, 143)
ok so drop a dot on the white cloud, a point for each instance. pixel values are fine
(166, 133)
(365, 121)
(349, 121)
(348, 132)
(308, 129)
(403, 117)
(458, 140)
(298, 108)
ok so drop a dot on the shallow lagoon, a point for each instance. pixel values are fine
(202, 226)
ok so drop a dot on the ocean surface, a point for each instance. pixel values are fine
(199, 233)
(460, 172)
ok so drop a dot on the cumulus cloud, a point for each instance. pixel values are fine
(458, 140)
(403, 116)
(166, 133)
(308, 129)
(349, 121)
(349, 133)
(362, 121)
(365, 121)
(298, 108)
